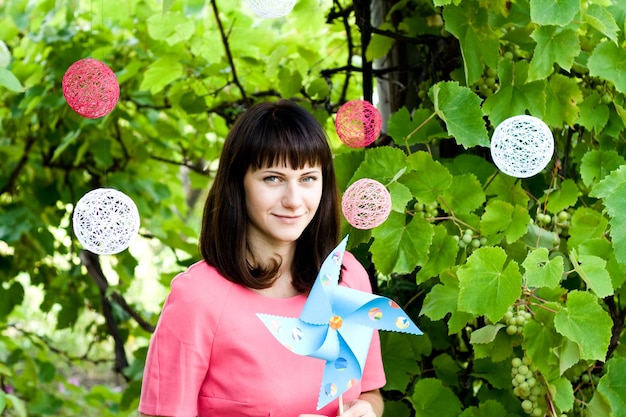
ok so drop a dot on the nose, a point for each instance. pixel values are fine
(292, 198)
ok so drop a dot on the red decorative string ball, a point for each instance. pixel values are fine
(358, 123)
(91, 88)
(366, 204)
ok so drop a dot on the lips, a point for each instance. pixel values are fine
(288, 219)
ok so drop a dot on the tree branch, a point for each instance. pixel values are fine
(229, 54)
(20, 165)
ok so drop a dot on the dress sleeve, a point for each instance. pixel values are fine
(355, 276)
(180, 349)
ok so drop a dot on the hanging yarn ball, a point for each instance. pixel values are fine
(521, 146)
(271, 8)
(90, 88)
(105, 220)
(366, 204)
(358, 123)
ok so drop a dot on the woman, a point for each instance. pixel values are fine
(270, 219)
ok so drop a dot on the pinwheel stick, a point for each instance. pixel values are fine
(340, 404)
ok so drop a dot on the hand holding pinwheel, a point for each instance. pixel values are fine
(336, 325)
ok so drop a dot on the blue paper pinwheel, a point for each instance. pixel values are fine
(336, 325)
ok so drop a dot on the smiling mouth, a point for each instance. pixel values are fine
(288, 219)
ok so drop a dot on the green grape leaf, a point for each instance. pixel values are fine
(541, 271)
(460, 109)
(537, 237)
(403, 367)
(420, 127)
(585, 322)
(568, 354)
(502, 218)
(613, 385)
(563, 197)
(171, 27)
(606, 62)
(540, 338)
(167, 4)
(613, 189)
(601, 20)
(379, 45)
(442, 300)
(592, 270)
(486, 334)
(160, 73)
(430, 398)
(479, 43)
(428, 179)
(488, 283)
(464, 195)
(562, 393)
(399, 247)
(489, 408)
(442, 255)
(400, 196)
(597, 164)
(497, 373)
(382, 164)
(594, 114)
(554, 45)
(598, 406)
(586, 224)
(562, 97)
(497, 350)
(553, 12)
(289, 82)
(346, 164)
(515, 95)
(10, 81)
(508, 189)
(397, 408)
(603, 248)
(446, 369)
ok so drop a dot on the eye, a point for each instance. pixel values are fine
(271, 179)
(310, 178)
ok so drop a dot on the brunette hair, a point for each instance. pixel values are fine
(266, 134)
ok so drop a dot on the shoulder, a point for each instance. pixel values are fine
(200, 280)
(354, 274)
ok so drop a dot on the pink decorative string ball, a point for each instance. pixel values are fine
(90, 88)
(358, 123)
(366, 204)
(271, 8)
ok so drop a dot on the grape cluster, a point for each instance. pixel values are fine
(515, 319)
(560, 221)
(468, 240)
(528, 387)
(427, 211)
(487, 84)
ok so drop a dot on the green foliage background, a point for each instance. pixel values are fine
(446, 73)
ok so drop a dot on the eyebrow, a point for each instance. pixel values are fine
(308, 172)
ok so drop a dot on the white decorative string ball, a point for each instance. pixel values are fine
(105, 221)
(271, 8)
(366, 204)
(522, 146)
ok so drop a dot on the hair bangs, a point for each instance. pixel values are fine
(286, 141)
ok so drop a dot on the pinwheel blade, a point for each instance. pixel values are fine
(383, 314)
(339, 375)
(303, 338)
(318, 308)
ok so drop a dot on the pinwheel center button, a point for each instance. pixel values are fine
(335, 322)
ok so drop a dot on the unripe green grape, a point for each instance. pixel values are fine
(511, 330)
(467, 238)
(523, 369)
(476, 243)
(483, 241)
(527, 406)
(537, 412)
(516, 362)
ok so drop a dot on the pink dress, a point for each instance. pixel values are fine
(211, 356)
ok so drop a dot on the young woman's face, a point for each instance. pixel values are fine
(281, 202)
